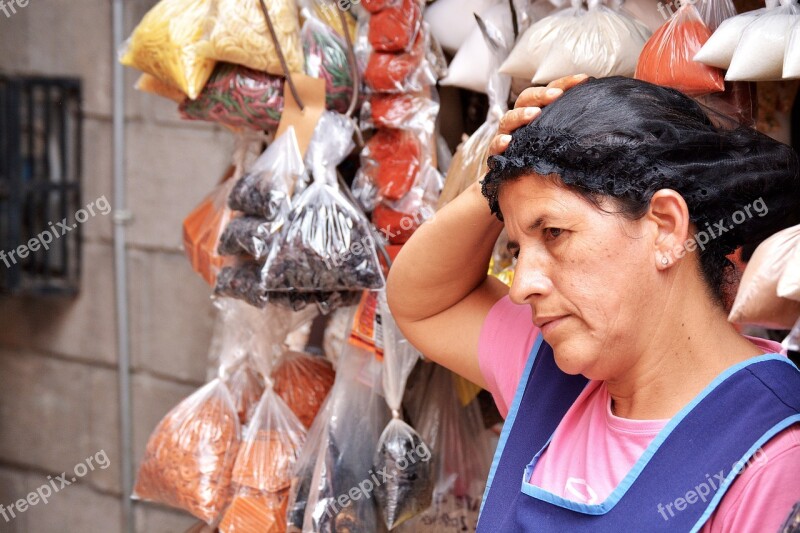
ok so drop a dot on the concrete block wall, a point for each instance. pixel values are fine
(58, 376)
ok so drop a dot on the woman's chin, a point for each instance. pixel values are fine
(572, 360)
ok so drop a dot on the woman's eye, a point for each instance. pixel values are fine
(552, 233)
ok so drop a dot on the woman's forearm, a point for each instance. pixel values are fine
(445, 260)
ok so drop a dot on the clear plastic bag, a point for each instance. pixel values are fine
(714, 12)
(404, 72)
(757, 301)
(303, 381)
(326, 245)
(476, 64)
(789, 283)
(242, 281)
(394, 28)
(150, 84)
(414, 112)
(190, 454)
(326, 57)
(398, 220)
(262, 473)
(469, 162)
(237, 33)
(791, 61)
(238, 97)
(401, 453)
(604, 42)
(453, 21)
(265, 190)
(164, 45)
(392, 159)
(667, 58)
(760, 52)
(246, 387)
(202, 230)
(719, 48)
(532, 47)
(462, 452)
(338, 464)
(243, 235)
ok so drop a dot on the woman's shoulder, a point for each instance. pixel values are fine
(763, 495)
(507, 337)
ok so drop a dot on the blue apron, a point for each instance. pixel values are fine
(679, 479)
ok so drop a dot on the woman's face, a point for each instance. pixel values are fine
(587, 275)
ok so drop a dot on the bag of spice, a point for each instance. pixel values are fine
(190, 454)
(462, 452)
(719, 48)
(400, 453)
(762, 47)
(326, 57)
(667, 58)
(342, 464)
(403, 72)
(603, 42)
(303, 381)
(262, 473)
(202, 229)
(237, 32)
(326, 244)
(165, 45)
(394, 28)
(757, 301)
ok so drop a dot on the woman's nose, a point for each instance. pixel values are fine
(529, 282)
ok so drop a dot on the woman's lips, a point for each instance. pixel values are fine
(548, 325)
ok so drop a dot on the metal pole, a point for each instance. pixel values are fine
(121, 218)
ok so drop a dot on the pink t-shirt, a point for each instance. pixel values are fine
(593, 450)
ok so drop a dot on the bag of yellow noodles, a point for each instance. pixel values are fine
(237, 32)
(164, 44)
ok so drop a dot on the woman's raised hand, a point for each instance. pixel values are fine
(528, 106)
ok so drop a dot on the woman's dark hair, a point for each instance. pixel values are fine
(626, 139)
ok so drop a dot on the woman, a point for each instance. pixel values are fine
(632, 403)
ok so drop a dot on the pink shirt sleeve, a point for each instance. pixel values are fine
(506, 339)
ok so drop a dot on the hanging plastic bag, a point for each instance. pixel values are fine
(238, 97)
(263, 470)
(202, 230)
(303, 382)
(265, 190)
(453, 21)
(190, 454)
(164, 45)
(238, 33)
(715, 12)
(402, 111)
(404, 72)
(243, 235)
(398, 220)
(326, 245)
(150, 84)
(667, 58)
(246, 387)
(478, 61)
(243, 282)
(719, 48)
(462, 452)
(789, 284)
(737, 102)
(604, 42)
(533, 46)
(376, 6)
(342, 463)
(759, 54)
(392, 159)
(757, 301)
(394, 28)
(326, 57)
(401, 454)
(791, 61)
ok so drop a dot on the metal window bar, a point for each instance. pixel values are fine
(40, 185)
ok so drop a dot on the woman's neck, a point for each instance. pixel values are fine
(691, 346)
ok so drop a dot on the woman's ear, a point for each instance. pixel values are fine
(669, 216)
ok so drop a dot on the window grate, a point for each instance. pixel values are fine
(40, 186)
